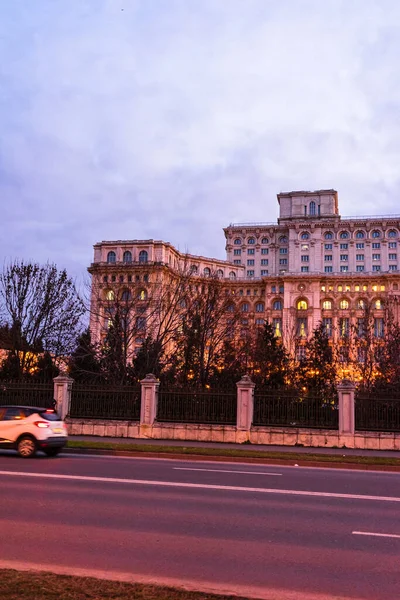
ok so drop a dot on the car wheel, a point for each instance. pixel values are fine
(52, 451)
(26, 447)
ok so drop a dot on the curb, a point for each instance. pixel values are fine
(235, 459)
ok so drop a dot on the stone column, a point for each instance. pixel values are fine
(62, 394)
(149, 397)
(346, 390)
(245, 403)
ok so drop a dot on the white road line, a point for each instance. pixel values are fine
(226, 471)
(227, 488)
(385, 535)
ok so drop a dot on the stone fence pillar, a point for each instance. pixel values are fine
(346, 390)
(149, 397)
(62, 394)
(245, 403)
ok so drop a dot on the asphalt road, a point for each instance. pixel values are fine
(261, 531)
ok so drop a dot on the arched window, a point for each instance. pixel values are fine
(232, 275)
(392, 233)
(207, 272)
(344, 304)
(142, 295)
(245, 307)
(251, 240)
(220, 273)
(302, 305)
(277, 305)
(344, 235)
(143, 256)
(376, 233)
(361, 304)
(328, 235)
(327, 305)
(193, 269)
(378, 304)
(283, 239)
(237, 241)
(230, 308)
(126, 295)
(312, 208)
(110, 295)
(127, 258)
(360, 235)
(265, 241)
(259, 307)
(111, 257)
(305, 235)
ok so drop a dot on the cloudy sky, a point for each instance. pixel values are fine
(170, 119)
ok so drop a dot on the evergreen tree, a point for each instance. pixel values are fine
(270, 360)
(84, 365)
(320, 368)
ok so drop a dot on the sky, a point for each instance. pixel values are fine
(171, 119)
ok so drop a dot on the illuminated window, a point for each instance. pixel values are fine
(344, 327)
(277, 325)
(302, 327)
(110, 295)
(327, 305)
(344, 304)
(323, 288)
(142, 295)
(356, 288)
(374, 288)
(302, 305)
(382, 288)
(340, 288)
(378, 304)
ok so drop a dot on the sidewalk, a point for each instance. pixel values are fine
(255, 447)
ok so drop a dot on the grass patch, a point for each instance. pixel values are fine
(237, 453)
(32, 585)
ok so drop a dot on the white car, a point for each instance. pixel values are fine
(27, 429)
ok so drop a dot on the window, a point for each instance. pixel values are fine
(126, 296)
(264, 250)
(245, 307)
(305, 235)
(145, 277)
(277, 305)
(264, 272)
(328, 246)
(260, 321)
(344, 246)
(301, 328)
(283, 261)
(110, 295)
(127, 257)
(376, 268)
(361, 304)
(264, 241)
(305, 258)
(281, 289)
(113, 278)
(264, 261)
(360, 246)
(237, 252)
(193, 269)
(142, 295)
(344, 257)
(376, 234)
(360, 235)
(361, 327)
(359, 268)
(305, 247)
(237, 241)
(250, 262)
(378, 304)
(141, 323)
(121, 279)
(344, 235)
(206, 272)
(273, 289)
(344, 327)
(344, 304)
(327, 325)
(304, 269)
(392, 233)
(232, 275)
(283, 239)
(392, 267)
(277, 326)
(250, 273)
(327, 305)
(105, 279)
(392, 256)
(300, 353)
(359, 256)
(376, 245)
(344, 269)
(328, 269)
(328, 257)
(259, 307)
(251, 251)
(312, 208)
(302, 305)
(392, 244)
(237, 261)
(379, 328)
(328, 235)
(283, 250)
(251, 240)
(143, 256)
(220, 273)
(111, 257)
(376, 257)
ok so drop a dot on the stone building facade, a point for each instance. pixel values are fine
(310, 266)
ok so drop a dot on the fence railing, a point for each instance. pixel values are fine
(26, 393)
(376, 413)
(288, 408)
(105, 402)
(192, 405)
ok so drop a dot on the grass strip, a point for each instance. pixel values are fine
(29, 585)
(238, 453)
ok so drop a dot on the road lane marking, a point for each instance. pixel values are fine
(227, 471)
(204, 486)
(385, 535)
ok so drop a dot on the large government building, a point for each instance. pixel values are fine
(310, 266)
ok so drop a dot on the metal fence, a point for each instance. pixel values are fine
(377, 413)
(105, 402)
(289, 408)
(26, 393)
(192, 405)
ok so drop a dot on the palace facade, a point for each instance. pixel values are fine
(310, 266)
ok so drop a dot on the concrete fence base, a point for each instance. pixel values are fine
(313, 438)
